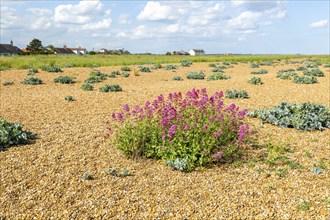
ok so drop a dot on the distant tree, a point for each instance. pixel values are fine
(34, 46)
(50, 48)
(91, 53)
(168, 53)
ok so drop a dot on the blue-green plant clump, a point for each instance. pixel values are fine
(195, 75)
(13, 134)
(110, 88)
(236, 94)
(301, 116)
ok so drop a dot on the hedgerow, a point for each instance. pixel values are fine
(184, 131)
(301, 116)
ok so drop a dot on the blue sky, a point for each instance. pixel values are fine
(255, 27)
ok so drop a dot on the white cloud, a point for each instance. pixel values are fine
(104, 24)
(173, 28)
(124, 19)
(10, 19)
(206, 15)
(246, 20)
(77, 14)
(142, 32)
(256, 5)
(319, 24)
(155, 11)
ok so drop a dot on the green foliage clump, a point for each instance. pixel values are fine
(301, 116)
(255, 81)
(313, 72)
(217, 76)
(186, 63)
(156, 66)
(195, 75)
(305, 79)
(217, 70)
(254, 65)
(326, 65)
(177, 78)
(87, 87)
(125, 68)
(170, 67)
(117, 173)
(144, 69)
(260, 72)
(69, 98)
(266, 63)
(93, 79)
(116, 73)
(8, 83)
(32, 81)
(301, 68)
(32, 71)
(13, 134)
(110, 88)
(101, 76)
(212, 65)
(64, 80)
(312, 65)
(125, 74)
(184, 131)
(286, 74)
(236, 94)
(50, 68)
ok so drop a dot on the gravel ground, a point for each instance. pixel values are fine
(43, 180)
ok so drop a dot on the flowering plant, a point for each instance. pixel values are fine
(197, 127)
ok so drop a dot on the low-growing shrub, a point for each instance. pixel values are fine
(49, 68)
(177, 78)
(313, 72)
(156, 66)
(125, 68)
(32, 81)
(64, 80)
(144, 69)
(255, 81)
(195, 75)
(312, 65)
(110, 88)
(184, 131)
(217, 70)
(170, 67)
(186, 63)
(236, 94)
(301, 68)
(254, 65)
(217, 76)
(116, 73)
(286, 74)
(259, 72)
(101, 76)
(87, 87)
(301, 116)
(305, 79)
(32, 71)
(93, 79)
(69, 98)
(13, 134)
(125, 74)
(8, 83)
(212, 65)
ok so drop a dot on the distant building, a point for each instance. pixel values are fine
(62, 51)
(196, 52)
(9, 49)
(78, 51)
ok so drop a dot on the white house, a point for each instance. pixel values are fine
(79, 50)
(196, 52)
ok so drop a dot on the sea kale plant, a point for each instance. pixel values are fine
(286, 74)
(301, 116)
(186, 132)
(195, 75)
(170, 67)
(313, 72)
(51, 68)
(32, 81)
(110, 88)
(217, 76)
(236, 94)
(255, 81)
(87, 87)
(64, 80)
(260, 72)
(13, 134)
(305, 79)
(177, 78)
(186, 63)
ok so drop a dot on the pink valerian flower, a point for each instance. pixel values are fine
(120, 116)
(147, 104)
(160, 98)
(186, 126)
(241, 114)
(212, 118)
(204, 127)
(218, 133)
(243, 130)
(219, 105)
(126, 108)
(172, 131)
(218, 155)
(204, 152)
